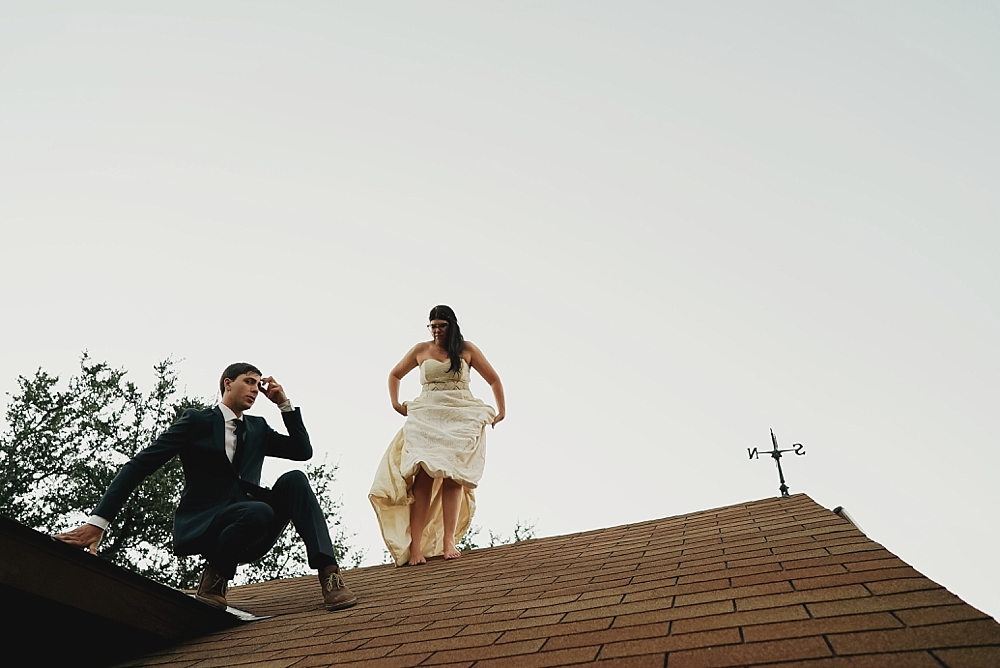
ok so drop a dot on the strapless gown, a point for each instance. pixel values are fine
(445, 435)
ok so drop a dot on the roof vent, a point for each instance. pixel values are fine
(840, 511)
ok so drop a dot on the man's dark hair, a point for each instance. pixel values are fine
(234, 370)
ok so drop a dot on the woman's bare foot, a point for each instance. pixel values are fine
(416, 558)
(451, 553)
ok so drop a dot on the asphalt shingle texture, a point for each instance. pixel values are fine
(777, 582)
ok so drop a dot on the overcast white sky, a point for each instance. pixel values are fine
(670, 227)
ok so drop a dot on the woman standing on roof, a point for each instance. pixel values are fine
(423, 492)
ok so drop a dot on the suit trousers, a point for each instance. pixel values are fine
(246, 530)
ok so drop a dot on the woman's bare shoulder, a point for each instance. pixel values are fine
(419, 351)
(472, 348)
(471, 353)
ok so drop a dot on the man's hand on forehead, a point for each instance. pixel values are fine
(272, 390)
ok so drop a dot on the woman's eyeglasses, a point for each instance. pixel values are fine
(433, 326)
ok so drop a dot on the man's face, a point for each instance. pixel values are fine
(242, 392)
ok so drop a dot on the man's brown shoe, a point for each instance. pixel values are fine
(336, 595)
(212, 589)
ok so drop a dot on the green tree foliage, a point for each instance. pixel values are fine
(522, 531)
(63, 445)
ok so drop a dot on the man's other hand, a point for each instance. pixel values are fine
(87, 536)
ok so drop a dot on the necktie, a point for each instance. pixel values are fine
(241, 440)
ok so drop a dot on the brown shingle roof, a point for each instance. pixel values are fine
(757, 584)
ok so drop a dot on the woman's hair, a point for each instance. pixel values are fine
(453, 341)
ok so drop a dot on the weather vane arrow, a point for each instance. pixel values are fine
(797, 448)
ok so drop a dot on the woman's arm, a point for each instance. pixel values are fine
(405, 366)
(479, 362)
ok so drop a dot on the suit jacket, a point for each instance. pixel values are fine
(211, 481)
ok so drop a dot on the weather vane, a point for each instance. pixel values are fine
(797, 448)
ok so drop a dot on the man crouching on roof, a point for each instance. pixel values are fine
(224, 514)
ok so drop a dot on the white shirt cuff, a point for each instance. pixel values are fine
(286, 406)
(98, 522)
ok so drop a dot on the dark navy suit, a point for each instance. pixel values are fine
(218, 502)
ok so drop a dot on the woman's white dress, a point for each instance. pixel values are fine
(445, 435)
